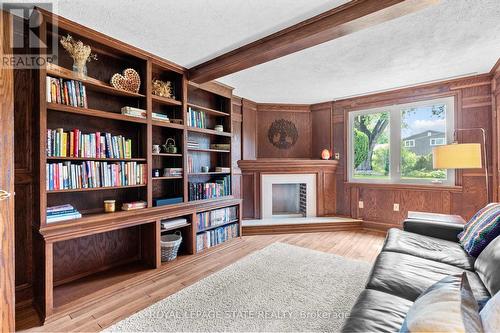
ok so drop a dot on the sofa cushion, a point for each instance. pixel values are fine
(428, 248)
(447, 306)
(490, 315)
(487, 266)
(482, 228)
(376, 311)
(408, 276)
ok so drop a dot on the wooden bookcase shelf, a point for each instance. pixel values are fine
(208, 150)
(165, 100)
(208, 131)
(122, 246)
(208, 110)
(91, 83)
(217, 226)
(94, 113)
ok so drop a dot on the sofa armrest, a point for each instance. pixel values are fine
(442, 230)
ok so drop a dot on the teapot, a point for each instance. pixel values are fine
(169, 146)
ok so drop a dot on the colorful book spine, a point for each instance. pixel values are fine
(216, 236)
(66, 92)
(196, 118)
(210, 190)
(94, 174)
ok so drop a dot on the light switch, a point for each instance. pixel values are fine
(396, 207)
(337, 156)
(361, 204)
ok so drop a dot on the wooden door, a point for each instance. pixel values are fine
(6, 185)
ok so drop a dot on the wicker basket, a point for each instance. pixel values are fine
(170, 245)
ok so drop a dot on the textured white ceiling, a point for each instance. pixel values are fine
(454, 38)
(189, 32)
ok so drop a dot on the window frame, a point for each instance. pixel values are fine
(435, 140)
(412, 141)
(396, 143)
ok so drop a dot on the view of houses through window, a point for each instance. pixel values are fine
(394, 144)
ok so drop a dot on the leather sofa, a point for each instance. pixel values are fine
(411, 261)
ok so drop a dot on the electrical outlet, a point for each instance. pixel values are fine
(337, 156)
(396, 207)
(361, 204)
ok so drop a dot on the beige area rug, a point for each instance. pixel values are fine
(281, 288)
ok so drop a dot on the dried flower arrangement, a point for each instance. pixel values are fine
(81, 53)
(163, 89)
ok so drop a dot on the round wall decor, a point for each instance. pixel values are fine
(282, 134)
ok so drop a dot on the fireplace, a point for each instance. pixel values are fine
(289, 200)
(288, 195)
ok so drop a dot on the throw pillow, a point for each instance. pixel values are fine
(447, 306)
(481, 229)
(490, 315)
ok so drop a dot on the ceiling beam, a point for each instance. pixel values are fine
(337, 22)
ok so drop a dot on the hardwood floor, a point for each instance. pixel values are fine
(361, 245)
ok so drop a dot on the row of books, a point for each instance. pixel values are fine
(93, 145)
(134, 205)
(133, 112)
(160, 117)
(217, 236)
(67, 92)
(221, 146)
(196, 118)
(216, 217)
(210, 190)
(62, 213)
(93, 174)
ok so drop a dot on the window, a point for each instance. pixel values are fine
(409, 143)
(394, 144)
(438, 141)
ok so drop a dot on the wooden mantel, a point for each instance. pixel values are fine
(252, 171)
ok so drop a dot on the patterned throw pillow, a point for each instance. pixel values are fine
(447, 306)
(481, 229)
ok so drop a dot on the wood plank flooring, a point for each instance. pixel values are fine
(361, 245)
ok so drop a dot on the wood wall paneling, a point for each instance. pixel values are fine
(7, 270)
(321, 123)
(249, 130)
(299, 115)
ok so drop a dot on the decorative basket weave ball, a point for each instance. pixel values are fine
(129, 80)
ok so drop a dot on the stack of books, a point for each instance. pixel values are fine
(93, 145)
(173, 223)
(134, 205)
(217, 236)
(221, 146)
(216, 217)
(62, 213)
(210, 190)
(172, 172)
(160, 116)
(223, 169)
(192, 144)
(196, 118)
(67, 92)
(133, 112)
(94, 174)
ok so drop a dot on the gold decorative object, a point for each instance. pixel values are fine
(129, 80)
(81, 53)
(162, 88)
(109, 206)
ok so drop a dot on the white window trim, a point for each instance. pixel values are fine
(395, 147)
(435, 142)
(411, 143)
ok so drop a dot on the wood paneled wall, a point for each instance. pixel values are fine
(299, 115)
(473, 105)
(495, 90)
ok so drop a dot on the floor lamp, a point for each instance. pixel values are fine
(462, 155)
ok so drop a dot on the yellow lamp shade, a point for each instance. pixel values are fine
(457, 156)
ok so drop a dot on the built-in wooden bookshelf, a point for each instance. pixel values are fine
(123, 245)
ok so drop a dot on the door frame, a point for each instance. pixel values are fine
(7, 284)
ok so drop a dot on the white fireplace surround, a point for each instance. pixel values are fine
(267, 181)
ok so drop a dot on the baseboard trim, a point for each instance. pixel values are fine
(379, 226)
(300, 228)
